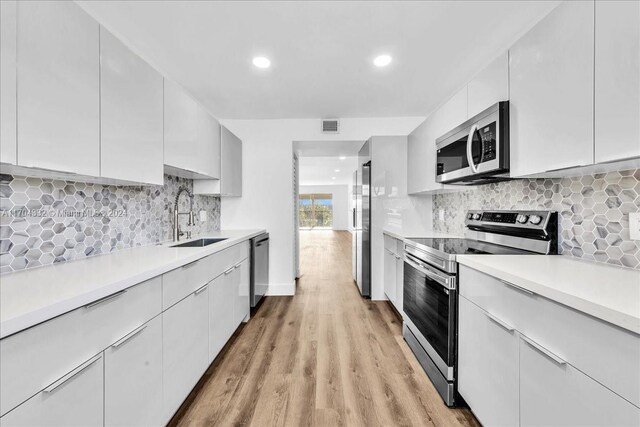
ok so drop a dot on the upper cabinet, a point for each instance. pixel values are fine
(230, 182)
(551, 92)
(617, 80)
(58, 99)
(421, 149)
(191, 136)
(131, 115)
(8, 82)
(489, 86)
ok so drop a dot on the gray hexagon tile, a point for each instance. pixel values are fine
(593, 211)
(46, 221)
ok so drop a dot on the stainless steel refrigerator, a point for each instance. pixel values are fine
(362, 224)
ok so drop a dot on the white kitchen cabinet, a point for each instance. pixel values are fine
(421, 150)
(551, 92)
(617, 80)
(553, 392)
(58, 99)
(230, 182)
(191, 136)
(242, 304)
(489, 86)
(221, 320)
(185, 348)
(394, 271)
(72, 400)
(131, 115)
(487, 365)
(390, 274)
(8, 82)
(133, 377)
(400, 277)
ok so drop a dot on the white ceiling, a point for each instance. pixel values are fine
(321, 170)
(321, 52)
(327, 148)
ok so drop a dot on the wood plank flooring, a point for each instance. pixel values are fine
(325, 357)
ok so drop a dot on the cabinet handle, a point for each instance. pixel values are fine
(191, 264)
(72, 374)
(238, 265)
(105, 299)
(230, 270)
(543, 350)
(499, 322)
(128, 337)
(200, 290)
(516, 287)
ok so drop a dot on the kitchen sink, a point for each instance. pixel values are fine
(199, 243)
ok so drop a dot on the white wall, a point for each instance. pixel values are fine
(267, 174)
(339, 193)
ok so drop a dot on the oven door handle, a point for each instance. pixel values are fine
(446, 282)
(472, 132)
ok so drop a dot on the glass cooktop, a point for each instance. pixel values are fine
(451, 246)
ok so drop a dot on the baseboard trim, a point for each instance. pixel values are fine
(281, 289)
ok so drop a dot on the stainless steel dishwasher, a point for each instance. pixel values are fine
(259, 267)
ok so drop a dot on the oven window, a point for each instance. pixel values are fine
(453, 157)
(427, 304)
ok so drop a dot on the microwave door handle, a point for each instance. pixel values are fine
(472, 132)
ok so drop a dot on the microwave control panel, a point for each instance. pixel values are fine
(488, 137)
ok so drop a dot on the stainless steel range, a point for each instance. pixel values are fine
(430, 282)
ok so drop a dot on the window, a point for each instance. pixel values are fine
(315, 211)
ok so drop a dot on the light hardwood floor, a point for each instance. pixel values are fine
(325, 357)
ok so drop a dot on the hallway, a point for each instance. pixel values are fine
(324, 357)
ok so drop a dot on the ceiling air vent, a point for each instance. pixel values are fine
(330, 126)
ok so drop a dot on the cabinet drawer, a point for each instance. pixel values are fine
(73, 400)
(602, 351)
(32, 359)
(182, 281)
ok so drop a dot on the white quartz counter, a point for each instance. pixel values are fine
(608, 293)
(407, 234)
(33, 296)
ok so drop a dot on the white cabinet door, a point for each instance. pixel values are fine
(221, 320)
(487, 365)
(185, 348)
(551, 92)
(490, 86)
(554, 393)
(231, 164)
(8, 82)
(399, 277)
(133, 378)
(390, 274)
(191, 136)
(59, 88)
(617, 80)
(76, 399)
(130, 115)
(242, 304)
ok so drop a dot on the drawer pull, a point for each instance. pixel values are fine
(230, 270)
(544, 351)
(105, 299)
(128, 337)
(518, 288)
(72, 374)
(191, 264)
(238, 265)
(200, 290)
(499, 322)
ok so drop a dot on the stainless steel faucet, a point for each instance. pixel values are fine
(191, 222)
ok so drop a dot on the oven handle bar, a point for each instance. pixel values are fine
(447, 282)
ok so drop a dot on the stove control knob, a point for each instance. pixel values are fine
(522, 219)
(476, 216)
(535, 219)
(470, 216)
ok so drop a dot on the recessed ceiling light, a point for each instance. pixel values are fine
(261, 62)
(337, 170)
(382, 60)
(343, 157)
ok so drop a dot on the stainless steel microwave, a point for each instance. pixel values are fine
(477, 151)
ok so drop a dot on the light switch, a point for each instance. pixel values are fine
(634, 225)
(203, 216)
(441, 214)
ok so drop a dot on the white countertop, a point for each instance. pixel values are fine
(407, 234)
(33, 296)
(606, 292)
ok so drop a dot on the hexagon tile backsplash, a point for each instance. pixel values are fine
(44, 221)
(593, 211)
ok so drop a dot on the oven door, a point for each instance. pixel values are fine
(429, 301)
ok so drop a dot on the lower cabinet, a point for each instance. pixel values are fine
(185, 348)
(390, 274)
(552, 392)
(487, 365)
(221, 320)
(394, 271)
(76, 399)
(133, 378)
(242, 284)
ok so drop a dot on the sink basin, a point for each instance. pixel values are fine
(199, 243)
